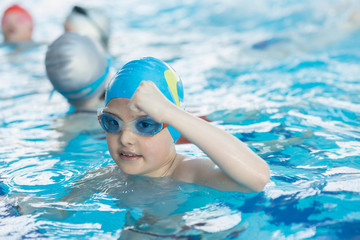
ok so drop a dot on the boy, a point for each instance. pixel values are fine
(143, 119)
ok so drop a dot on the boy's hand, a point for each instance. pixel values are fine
(149, 100)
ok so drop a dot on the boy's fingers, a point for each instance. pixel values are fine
(132, 106)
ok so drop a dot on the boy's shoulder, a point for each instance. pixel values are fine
(189, 168)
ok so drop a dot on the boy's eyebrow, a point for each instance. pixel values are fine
(106, 111)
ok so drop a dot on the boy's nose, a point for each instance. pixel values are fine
(127, 137)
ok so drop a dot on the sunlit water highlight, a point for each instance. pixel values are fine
(281, 76)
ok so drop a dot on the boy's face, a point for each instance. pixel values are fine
(135, 154)
(16, 27)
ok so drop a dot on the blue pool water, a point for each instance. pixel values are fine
(282, 76)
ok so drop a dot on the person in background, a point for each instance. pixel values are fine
(17, 25)
(78, 69)
(90, 22)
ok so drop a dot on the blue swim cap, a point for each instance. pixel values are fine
(127, 80)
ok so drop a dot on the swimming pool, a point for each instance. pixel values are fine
(282, 76)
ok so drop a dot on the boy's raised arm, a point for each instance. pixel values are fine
(235, 158)
(239, 164)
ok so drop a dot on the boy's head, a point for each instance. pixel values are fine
(77, 67)
(90, 22)
(16, 24)
(127, 80)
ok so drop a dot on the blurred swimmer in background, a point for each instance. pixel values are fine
(17, 25)
(79, 70)
(90, 22)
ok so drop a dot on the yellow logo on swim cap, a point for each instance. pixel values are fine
(172, 80)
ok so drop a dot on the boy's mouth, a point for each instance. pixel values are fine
(128, 156)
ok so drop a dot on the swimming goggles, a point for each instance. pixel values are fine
(144, 126)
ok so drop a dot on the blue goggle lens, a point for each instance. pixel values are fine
(110, 124)
(144, 126)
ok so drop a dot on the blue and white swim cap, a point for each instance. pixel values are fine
(127, 80)
(77, 67)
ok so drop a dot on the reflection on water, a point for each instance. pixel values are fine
(281, 76)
